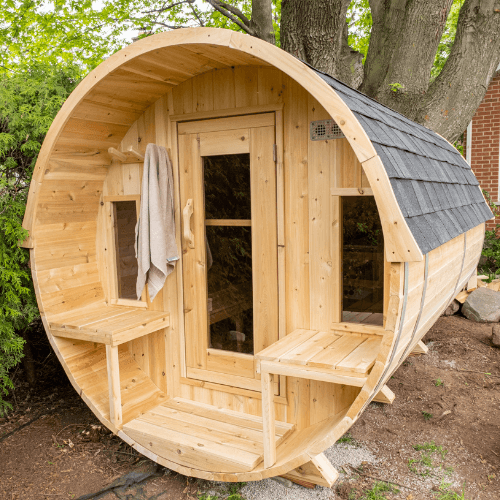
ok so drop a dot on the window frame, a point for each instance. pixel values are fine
(111, 264)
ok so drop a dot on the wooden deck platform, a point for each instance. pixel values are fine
(199, 434)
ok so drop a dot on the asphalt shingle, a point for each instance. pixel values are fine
(434, 186)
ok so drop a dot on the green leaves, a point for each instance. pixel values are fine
(359, 22)
(29, 100)
(447, 38)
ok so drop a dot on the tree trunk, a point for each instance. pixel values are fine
(452, 99)
(403, 45)
(315, 31)
(404, 40)
(262, 20)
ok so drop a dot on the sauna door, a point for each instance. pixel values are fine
(229, 244)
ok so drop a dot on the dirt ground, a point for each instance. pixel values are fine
(441, 435)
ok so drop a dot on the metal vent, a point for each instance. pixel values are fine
(323, 130)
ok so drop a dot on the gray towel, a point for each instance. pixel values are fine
(156, 250)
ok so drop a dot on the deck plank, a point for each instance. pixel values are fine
(304, 352)
(331, 356)
(278, 349)
(198, 432)
(361, 359)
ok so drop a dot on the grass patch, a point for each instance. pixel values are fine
(445, 493)
(424, 465)
(378, 491)
(233, 491)
(438, 382)
(418, 467)
(427, 416)
(346, 439)
(431, 447)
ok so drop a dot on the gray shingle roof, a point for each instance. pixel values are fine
(435, 188)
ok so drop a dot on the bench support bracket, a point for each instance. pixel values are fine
(318, 471)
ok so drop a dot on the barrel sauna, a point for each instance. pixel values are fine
(338, 230)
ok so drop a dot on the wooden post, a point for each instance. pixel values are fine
(268, 419)
(115, 399)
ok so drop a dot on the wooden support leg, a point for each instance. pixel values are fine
(317, 471)
(385, 395)
(115, 399)
(268, 419)
(420, 348)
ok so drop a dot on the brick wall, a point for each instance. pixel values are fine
(485, 146)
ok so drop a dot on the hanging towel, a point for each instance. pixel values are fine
(155, 248)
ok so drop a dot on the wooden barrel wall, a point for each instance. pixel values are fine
(70, 230)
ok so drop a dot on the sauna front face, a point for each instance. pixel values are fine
(320, 233)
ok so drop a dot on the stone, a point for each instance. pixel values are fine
(482, 306)
(495, 337)
(452, 309)
(283, 481)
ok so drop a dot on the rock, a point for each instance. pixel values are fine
(283, 481)
(495, 337)
(482, 306)
(452, 309)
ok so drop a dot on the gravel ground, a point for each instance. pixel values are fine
(272, 489)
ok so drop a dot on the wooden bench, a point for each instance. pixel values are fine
(339, 357)
(112, 326)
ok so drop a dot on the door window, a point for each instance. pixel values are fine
(229, 252)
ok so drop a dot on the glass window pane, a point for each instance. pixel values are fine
(229, 276)
(227, 186)
(126, 263)
(362, 261)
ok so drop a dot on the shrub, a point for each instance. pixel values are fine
(29, 101)
(490, 255)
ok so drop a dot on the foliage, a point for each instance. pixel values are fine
(427, 416)
(444, 493)
(346, 439)
(491, 253)
(29, 101)
(84, 33)
(491, 248)
(424, 464)
(432, 447)
(377, 492)
(447, 38)
(359, 22)
(395, 87)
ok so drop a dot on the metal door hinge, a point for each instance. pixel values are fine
(275, 152)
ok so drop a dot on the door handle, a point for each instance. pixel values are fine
(187, 213)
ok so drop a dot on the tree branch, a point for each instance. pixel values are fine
(168, 7)
(262, 20)
(237, 12)
(193, 8)
(226, 10)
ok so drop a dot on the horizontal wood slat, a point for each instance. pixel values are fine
(202, 433)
